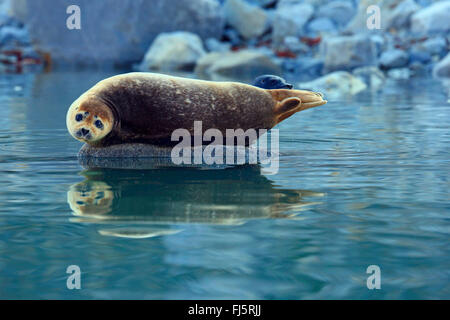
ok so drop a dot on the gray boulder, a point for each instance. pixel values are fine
(176, 51)
(435, 46)
(399, 16)
(244, 65)
(289, 20)
(113, 32)
(321, 24)
(340, 12)
(336, 84)
(348, 52)
(394, 58)
(442, 69)
(249, 20)
(435, 18)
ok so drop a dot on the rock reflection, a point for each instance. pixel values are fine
(179, 196)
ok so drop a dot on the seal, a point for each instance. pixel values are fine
(268, 81)
(145, 108)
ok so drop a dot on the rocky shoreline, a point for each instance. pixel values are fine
(320, 43)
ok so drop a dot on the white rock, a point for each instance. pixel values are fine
(336, 84)
(289, 20)
(249, 20)
(173, 51)
(245, 65)
(372, 76)
(399, 73)
(435, 18)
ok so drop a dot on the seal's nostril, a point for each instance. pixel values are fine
(84, 131)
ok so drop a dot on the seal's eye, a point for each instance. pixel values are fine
(79, 117)
(98, 124)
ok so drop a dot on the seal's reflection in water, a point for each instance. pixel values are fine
(178, 196)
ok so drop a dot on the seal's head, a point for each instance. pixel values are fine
(90, 198)
(89, 120)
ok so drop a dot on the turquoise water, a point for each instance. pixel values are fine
(362, 181)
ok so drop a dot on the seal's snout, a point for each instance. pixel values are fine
(83, 134)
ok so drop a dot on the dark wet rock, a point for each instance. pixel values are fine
(232, 36)
(394, 58)
(419, 56)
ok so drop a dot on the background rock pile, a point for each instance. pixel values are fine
(225, 39)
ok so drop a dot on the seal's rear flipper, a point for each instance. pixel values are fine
(289, 104)
(292, 101)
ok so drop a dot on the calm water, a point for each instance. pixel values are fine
(362, 181)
